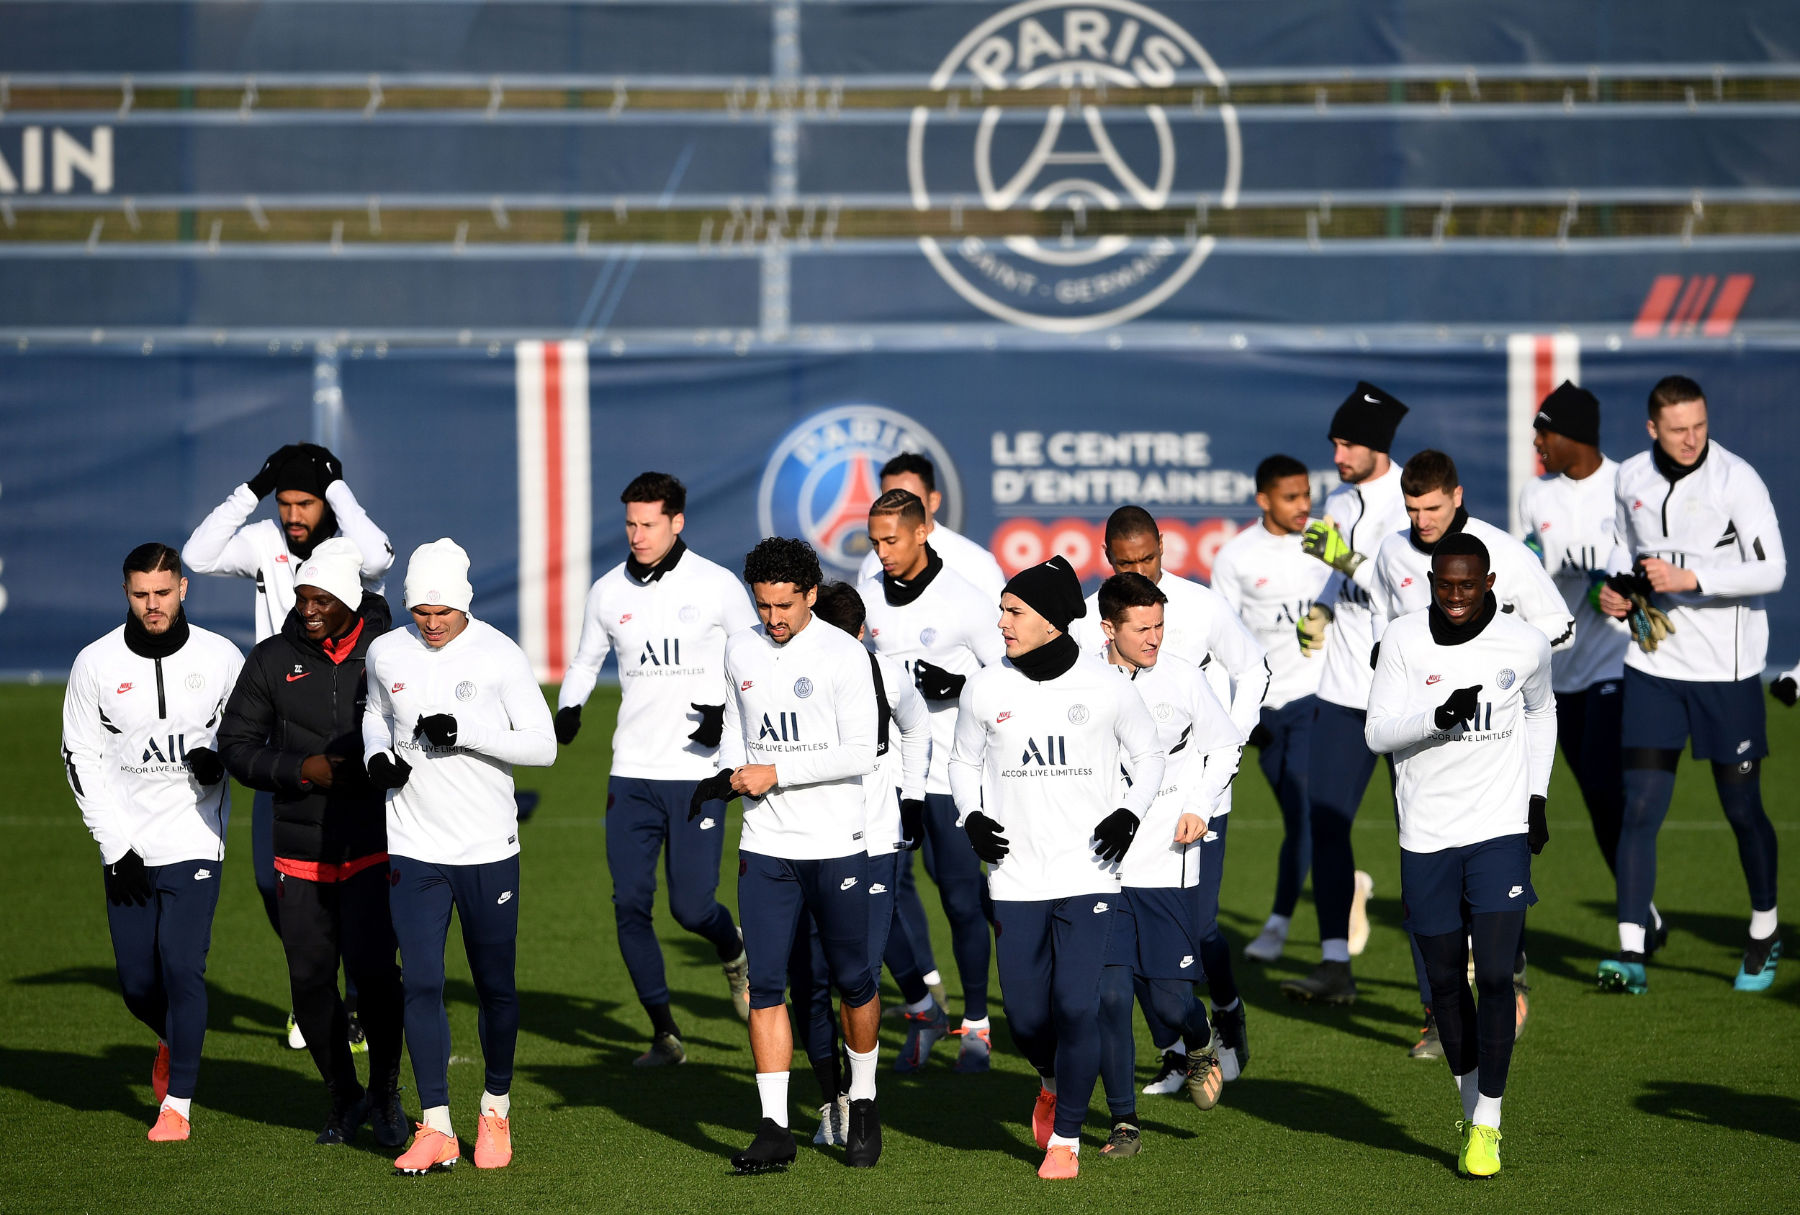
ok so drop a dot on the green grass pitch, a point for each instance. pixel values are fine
(1682, 1100)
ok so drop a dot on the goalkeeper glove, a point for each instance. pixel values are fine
(1649, 626)
(1537, 829)
(935, 683)
(1312, 629)
(985, 838)
(711, 727)
(1461, 706)
(715, 788)
(205, 764)
(568, 724)
(127, 881)
(1323, 540)
(1115, 833)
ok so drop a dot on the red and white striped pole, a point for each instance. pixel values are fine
(555, 523)
(1535, 364)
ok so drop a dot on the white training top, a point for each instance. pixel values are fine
(1473, 782)
(962, 555)
(1271, 585)
(900, 771)
(128, 724)
(808, 708)
(1576, 522)
(1717, 521)
(1203, 747)
(950, 625)
(225, 543)
(1043, 760)
(457, 807)
(1365, 515)
(1403, 583)
(667, 637)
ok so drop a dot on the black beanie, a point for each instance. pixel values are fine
(300, 472)
(1051, 590)
(1570, 411)
(1368, 417)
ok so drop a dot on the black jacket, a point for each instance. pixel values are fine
(293, 701)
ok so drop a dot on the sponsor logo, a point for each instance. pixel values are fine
(874, 632)
(1163, 712)
(1506, 678)
(688, 613)
(1262, 582)
(1371, 400)
(1637, 504)
(1211, 837)
(1431, 679)
(465, 691)
(625, 617)
(281, 558)
(1187, 960)
(1078, 715)
(1544, 526)
(1053, 754)
(1100, 908)
(200, 875)
(195, 681)
(668, 656)
(846, 883)
(399, 687)
(505, 897)
(1405, 582)
(927, 636)
(1073, 165)
(1515, 892)
(1743, 746)
(1006, 716)
(825, 473)
(803, 687)
(708, 823)
(298, 675)
(123, 688)
(745, 687)
(1746, 765)
(785, 727)
(878, 888)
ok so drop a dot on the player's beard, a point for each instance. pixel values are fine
(324, 530)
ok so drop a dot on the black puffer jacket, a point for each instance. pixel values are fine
(293, 701)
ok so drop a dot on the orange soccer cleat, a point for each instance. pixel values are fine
(159, 1072)
(432, 1151)
(1060, 1164)
(493, 1143)
(1043, 1117)
(170, 1127)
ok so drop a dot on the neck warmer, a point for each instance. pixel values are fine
(650, 573)
(1048, 660)
(145, 644)
(899, 594)
(341, 648)
(1672, 471)
(1445, 632)
(1456, 525)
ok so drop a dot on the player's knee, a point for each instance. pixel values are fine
(962, 903)
(1737, 775)
(1170, 1001)
(1493, 978)
(1115, 993)
(693, 911)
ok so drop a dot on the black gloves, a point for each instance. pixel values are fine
(127, 881)
(568, 724)
(205, 764)
(935, 683)
(1537, 826)
(263, 483)
(388, 771)
(715, 788)
(1115, 834)
(1783, 689)
(912, 823)
(985, 838)
(328, 466)
(439, 729)
(1260, 736)
(1460, 707)
(711, 727)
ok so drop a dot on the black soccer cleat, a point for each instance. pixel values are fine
(1329, 983)
(387, 1120)
(771, 1151)
(862, 1146)
(345, 1118)
(1234, 1041)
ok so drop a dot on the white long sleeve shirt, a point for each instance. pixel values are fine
(1576, 523)
(226, 543)
(1271, 585)
(900, 770)
(1524, 589)
(1365, 515)
(667, 637)
(1203, 746)
(952, 625)
(1473, 782)
(808, 708)
(1717, 521)
(1043, 760)
(128, 724)
(457, 807)
(962, 555)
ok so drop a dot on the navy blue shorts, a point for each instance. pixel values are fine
(1156, 932)
(1439, 891)
(771, 895)
(1727, 721)
(884, 880)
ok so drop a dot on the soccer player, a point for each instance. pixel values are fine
(1271, 584)
(1696, 522)
(665, 613)
(293, 727)
(1166, 901)
(935, 624)
(1461, 698)
(453, 706)
(137, 746)
(1359, 514)
(894, 798)
(314, 503)
(800, 735)
(1039, 743)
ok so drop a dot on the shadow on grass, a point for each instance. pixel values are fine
(1777, 1116)
(226, 1011)
(119, 1080)
(1315, 1110)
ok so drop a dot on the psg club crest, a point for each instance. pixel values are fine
(465, 691)
(1505, 678)
(825, 473)
(803, 687)
(1072, 162)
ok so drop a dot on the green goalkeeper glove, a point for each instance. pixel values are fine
(1312, 629)
(1323, 540)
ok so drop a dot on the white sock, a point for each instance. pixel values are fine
(1049, 1083)
(1762, 923)
(1278, 923)
(772, 1088)
(500, 1107)
(922, 1004)
(1468, 1089)
(437, 1117)
(1631, 938)
(1487, 1111)
(933, 978)
(1073, 1143)
(1178, 1046)
(1337, 949)
(862, 1073)
(181, 1105)
(969, 1024)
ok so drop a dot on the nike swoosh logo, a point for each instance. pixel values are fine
(1371, 400)
(302, 675)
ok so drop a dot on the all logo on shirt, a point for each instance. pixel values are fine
(784, 727)
(1053, 754)
(668, 656)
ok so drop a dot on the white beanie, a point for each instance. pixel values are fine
(336, 568)
(438, 576)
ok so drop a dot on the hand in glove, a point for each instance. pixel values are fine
(330, 468)
(715, 788)
(127, 881)
(1115, 833)
(711, 727)
(1649, 626)
(1784, 690)
(1312, 629)
(1323, 540)
(985, 838)
(1461, 706)
(935, 683)
(388, 771)
(1537, 828)
(263, 483)
(439, 729)
(205, 764)
(912, 823)
(568, 724)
